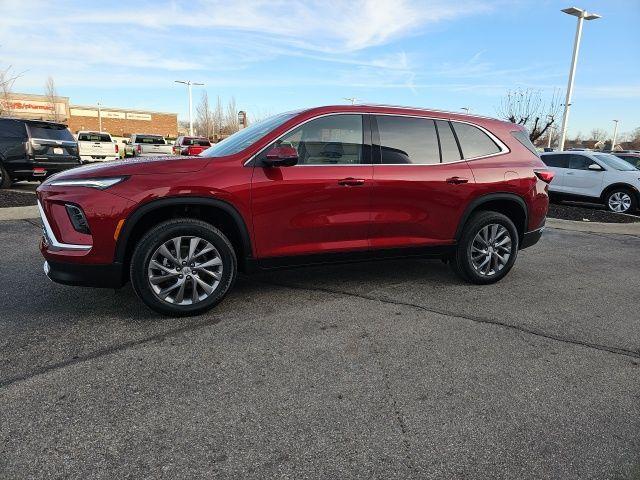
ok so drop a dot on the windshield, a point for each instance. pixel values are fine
(51, 132)
(614, 162)
(246, 137)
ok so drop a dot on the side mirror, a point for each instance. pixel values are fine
(595, 167)
(282, 156)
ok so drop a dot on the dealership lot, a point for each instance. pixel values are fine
(385, 370)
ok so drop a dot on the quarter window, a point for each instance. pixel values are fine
(331, 140)
(405, 140)
(448, 144)
(474, 142)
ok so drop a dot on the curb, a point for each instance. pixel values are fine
(594, 227)
(19, 213)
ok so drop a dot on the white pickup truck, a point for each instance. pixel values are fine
(97, 147)
(143, 145)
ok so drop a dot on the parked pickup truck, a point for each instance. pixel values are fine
(190, 145)
(144, 145)
(97, 147)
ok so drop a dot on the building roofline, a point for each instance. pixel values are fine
(105, 108)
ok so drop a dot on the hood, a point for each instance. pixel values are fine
(138, 166)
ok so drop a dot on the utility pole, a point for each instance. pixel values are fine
(615, 134)
(582, 15)
(549, 137)
(188, 83)
(99, 117)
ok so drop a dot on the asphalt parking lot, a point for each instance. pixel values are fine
(375, 370)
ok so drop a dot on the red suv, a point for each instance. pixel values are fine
(338, 183)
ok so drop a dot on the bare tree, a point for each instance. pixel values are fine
(7, 79)
(52, 98)
(231, 117)
(598, 134)
(526, 107)
(205, 125)
(218, 118)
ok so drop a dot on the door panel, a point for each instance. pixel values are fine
(311, 209)
(323, 204)
(415, 205)
(579, 180)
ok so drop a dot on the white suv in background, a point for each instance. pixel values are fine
(595, 177)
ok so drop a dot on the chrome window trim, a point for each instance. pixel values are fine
(52, 238)
(503, 148)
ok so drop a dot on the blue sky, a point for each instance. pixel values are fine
(279, 55)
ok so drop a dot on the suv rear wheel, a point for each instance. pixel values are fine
(620, 200)
(183, 267)
(487, 249)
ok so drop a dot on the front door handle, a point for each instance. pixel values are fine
(351, 182)
(457, 180)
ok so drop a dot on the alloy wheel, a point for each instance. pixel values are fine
(184, 270)
(619, 202)
(491, 249)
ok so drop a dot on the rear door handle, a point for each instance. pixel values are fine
(457, 180)
(351, 182)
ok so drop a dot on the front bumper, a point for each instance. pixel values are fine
(85, 275)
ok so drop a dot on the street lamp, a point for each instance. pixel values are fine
(99, 117)
(582, 15)
(615, 134)
(188, 83)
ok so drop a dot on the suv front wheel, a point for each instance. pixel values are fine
(487, 248)
(183, 267)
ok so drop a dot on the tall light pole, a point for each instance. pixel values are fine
(188, 83)
(353, 100)
(467, 110)
(582, 15)
(99, 117)
(615, 134)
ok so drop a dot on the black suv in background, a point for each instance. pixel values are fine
(34, 149)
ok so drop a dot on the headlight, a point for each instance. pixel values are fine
(99, 183)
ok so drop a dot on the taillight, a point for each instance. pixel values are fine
(139, 148)
(117, 148)
(545, 175)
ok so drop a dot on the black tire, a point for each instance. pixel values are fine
(157, 236)
(5, 180)
(621, 191)
(462, 262)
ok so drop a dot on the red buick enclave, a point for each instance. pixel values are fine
(338, 183)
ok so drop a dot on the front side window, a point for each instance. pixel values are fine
(407, 140)
(330, 140)
(474, 142)
(579, 162)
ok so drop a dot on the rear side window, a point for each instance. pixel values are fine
(330, 140)
(448, 144)
(51, 132)
(523, 138)
(557, 160)
(405, 140)
(12, 128)
(474, 142)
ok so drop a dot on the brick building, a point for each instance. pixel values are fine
(119, 122)
(122, 122)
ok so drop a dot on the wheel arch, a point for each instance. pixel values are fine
(620, 185)
(509, 204)
(219, 213)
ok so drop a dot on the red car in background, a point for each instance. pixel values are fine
(190, 146)
(326, 184)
